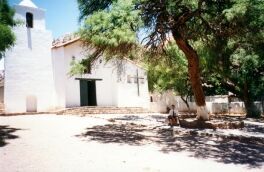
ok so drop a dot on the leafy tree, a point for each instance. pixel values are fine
(171, 74)
(6, 22)
(110, 31)
(77, 68)
(111, 25)
(235, 61)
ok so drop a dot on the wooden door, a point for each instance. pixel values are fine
(88, 93)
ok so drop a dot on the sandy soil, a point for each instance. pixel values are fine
(50, 143)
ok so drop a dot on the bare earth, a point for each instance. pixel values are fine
(117, 143)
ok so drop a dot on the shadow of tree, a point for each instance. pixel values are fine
(159, 118)
(223, 149)
(128, 118)
(116, 133)
(254, 128)
(6, 133)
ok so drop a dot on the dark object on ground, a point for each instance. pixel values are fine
(212, 124)
(7, 133)
(173, 120)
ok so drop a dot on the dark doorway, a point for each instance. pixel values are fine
(88, 93)
(29, 20)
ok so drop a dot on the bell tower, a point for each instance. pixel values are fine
(29, 84)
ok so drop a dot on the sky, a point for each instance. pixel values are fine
(61, 15)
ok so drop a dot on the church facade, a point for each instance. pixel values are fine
(120, 83)
(37, 72)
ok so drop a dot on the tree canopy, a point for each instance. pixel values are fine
(170, 75)
(235, 62)
(6, 22)
(113, 31)
(201, 29)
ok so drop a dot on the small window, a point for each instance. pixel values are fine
(73, 58)
(29, 18)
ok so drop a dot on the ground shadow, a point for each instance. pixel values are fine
(224, 149)
(135, 118)
(159, 118)
(129, 118)
(7, 133)
(116, 133)
(257, 129)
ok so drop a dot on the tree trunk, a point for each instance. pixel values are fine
(262, 104)
(251, 109)
(194, 74)
(186, 102)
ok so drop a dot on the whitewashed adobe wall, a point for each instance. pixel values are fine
(28, 66)
(112, 90)
(59, 74)
(106, 89)
(68, 88)
(128, 91)
(215, 104)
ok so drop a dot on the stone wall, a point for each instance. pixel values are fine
(215, 104)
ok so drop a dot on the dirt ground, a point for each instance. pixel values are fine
(118, 143)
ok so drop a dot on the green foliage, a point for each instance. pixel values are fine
(7, 38)
(227, 34)
(239, 8)
(80, 67)
(170, 75)
(113, 31)
(6, 22)
(77, 68)
(6, 14)
(235, 61)
(87, 8)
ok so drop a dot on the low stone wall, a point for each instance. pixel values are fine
(213, 108)
(215, 104)
(237, 108)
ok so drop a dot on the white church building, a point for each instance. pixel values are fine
(37, 71)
